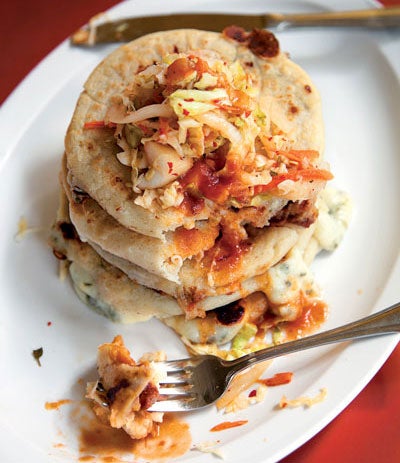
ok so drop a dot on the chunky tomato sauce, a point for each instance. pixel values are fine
(204, 181)
(228, 251)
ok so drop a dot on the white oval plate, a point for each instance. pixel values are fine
(358, 79)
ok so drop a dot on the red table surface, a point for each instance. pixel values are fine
(368, 430)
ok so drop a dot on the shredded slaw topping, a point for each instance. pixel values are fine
(190, 127)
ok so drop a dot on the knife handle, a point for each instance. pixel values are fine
(373, 18)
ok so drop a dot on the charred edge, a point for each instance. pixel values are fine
(261, 42)
(302, 213)
(230, 314)
(68, 231)
(112, 392)
(59, 255)
(79, 195)
(148, 396)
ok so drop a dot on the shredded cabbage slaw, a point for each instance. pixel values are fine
(194, 108)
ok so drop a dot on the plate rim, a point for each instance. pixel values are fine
(385, 347)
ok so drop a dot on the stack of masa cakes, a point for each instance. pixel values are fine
(193, 186)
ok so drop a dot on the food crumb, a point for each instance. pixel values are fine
(59, 445)
(227, 425)
(209, 447)
(56, 405)
(243, 400)
(37, 354)
(303, 401)
(63, 270)
(278, 379)
(24, 229)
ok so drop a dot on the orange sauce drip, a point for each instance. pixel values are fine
(101, 443)
(227, 425)
(277, 380)
(102, 440)
(191, 242)
(224, 259)
(174, 439)
(56, 405)
(206, 327)
(192, 205)
(59, 445)
(205, 181)
(312, 316)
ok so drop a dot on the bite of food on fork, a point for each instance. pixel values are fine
(135, 396)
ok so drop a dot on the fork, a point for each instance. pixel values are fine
(196, 382)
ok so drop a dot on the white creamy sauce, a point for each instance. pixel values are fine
(288, 278)
(335, 209)
(292, 275)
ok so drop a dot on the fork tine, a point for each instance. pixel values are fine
(177, 389)
(177, 365)
(173, 404)
(181, 382)
(176, 377)
(172, 388)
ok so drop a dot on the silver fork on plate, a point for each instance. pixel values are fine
(199, 381)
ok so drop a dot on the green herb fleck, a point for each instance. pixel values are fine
(277, 335)
(37, 353)
(243, 336)
(133, 135)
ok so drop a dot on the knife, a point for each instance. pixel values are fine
(124, 30)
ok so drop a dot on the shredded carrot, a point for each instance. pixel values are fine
(300, 154)
(278, 379)
(232, 109)
(302, 157)
(227, 425)
(276, 180)
(298, 174)
(164, 127)
(315, 174)
(98, 125)
(170, 167)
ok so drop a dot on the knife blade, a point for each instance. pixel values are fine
(126, 29)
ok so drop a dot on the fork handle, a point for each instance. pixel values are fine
(383, 322)
(375, 18)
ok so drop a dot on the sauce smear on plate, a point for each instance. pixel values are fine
(102, 443)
